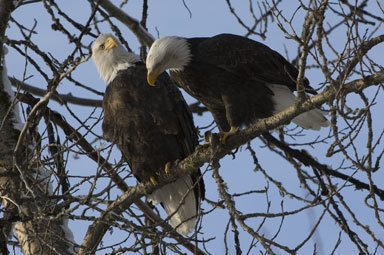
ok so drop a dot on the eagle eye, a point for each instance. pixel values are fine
(102, 46)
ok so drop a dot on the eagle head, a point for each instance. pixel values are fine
(170, 52)
(110, 56)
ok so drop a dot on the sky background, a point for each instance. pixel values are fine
(170, 17)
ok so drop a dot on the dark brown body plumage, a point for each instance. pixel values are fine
(151, 126)
(229, 73)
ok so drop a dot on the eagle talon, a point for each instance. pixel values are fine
(167, 167)
(153, 180)
(224, 135)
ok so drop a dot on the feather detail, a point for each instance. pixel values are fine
(283, 98)
(183, 209)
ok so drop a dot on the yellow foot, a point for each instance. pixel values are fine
(224, 135)
(153, 180)
(167, 167)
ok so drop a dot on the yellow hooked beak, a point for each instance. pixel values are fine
(110, 43)
(151, 78)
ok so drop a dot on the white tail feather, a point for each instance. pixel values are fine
(171, 195)
(313, 119)
(283, 98)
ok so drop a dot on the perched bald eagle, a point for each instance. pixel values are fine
(150, 126)
(239, 80)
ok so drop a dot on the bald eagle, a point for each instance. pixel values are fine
(239, 80)
(151, 127)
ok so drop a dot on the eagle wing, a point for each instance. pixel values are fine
(244, 57)
(187, 131)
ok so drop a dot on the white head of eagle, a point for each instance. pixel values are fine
(110, 57)
(170, 52)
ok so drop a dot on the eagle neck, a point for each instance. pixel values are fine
(109, 71)
(179, 53)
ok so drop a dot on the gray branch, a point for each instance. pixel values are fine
(134, 25)
(60, 98)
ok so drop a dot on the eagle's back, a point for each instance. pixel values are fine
(247, 58)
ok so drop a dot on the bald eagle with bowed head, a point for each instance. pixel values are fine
(151, 127)
(239, 80)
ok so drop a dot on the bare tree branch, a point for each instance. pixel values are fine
(60, 98)
(134, 25)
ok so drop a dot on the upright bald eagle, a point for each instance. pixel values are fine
(150, 126)
(239, 80)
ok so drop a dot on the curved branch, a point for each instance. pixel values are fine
(69, 98)
(359, 54)
(60, 98)
(134, 25)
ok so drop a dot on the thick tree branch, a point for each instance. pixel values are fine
(69, 98)
(5, 156)
(60, 98)
(6, 7)
(134, 25)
